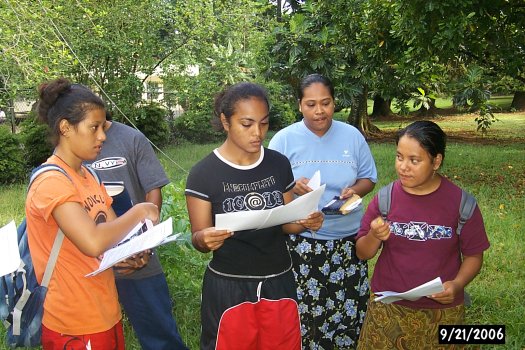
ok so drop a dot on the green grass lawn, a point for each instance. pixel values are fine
(494, 172)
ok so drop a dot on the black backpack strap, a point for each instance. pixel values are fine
(466, 209)
(384, 199)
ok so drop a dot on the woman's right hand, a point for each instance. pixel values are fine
(380, 229)
(151, 211)
(301, 186)
(209, 239)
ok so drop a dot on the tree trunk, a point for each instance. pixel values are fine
(279, 11)
(518, 102)
(358, 116)
(10, 113)
(431, 112)
(381, 107)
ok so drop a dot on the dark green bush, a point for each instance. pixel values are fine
(12, 165)
(196, 127)
(283, 107)
(34, 138)
(151, 119)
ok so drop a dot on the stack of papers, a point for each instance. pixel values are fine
(9, 254)
(426, 289)
(339, 206)
(143, 237)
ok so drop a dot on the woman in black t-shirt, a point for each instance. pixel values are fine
(249, 293)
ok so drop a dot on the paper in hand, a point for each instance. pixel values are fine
(426, 289)
(297, 209)
(315, 181)
(9, 254)
(339, 206)
(137, 240)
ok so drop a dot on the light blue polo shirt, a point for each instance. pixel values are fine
(341, 155)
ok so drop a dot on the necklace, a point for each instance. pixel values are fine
(80, 171)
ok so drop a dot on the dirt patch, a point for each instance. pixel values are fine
(459, 137)
(448, 115)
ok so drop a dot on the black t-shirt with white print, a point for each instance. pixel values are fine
(231, 188)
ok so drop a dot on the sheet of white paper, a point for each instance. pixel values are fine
(171, 238)
(428, 288)
(9, 254)
(315, 180)
(137, 230)
(152, 238)
(297, 209)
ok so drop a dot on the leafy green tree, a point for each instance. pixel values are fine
(324, 37)
(228, 39)
(393, 49)
(116, 44)
(487, 33)
(30, 52)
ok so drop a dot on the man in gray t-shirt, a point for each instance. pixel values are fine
(128, 157)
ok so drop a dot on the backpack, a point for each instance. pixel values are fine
(22, 307)
(466, 206)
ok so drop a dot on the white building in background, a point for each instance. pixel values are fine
(153, 87)
(22, 107)
(153, 91)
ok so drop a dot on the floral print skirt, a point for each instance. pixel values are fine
(332, 291)
(391, 326)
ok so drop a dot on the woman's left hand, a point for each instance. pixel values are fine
(313, 222)
(347, 192)
(449, 294)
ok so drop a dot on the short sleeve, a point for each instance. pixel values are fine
(150, 172)
(277, 142)
(372, 211)
(473, 237)
(367, 166)
(195, 186)
(49, 191)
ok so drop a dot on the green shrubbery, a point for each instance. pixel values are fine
(282, 106)
(195, 124)
(19, 153)
(151, 119)
(34, 138)
(196, 127)
(12, 164)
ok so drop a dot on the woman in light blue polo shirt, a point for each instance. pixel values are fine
(332, 282)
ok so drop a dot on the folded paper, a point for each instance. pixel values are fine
(297, 209)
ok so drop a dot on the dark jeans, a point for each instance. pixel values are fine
(148, 306)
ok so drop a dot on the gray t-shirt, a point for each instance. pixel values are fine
(127, 156)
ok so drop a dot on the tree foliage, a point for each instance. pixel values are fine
(379, 49)
(30, 51)
(386, 49)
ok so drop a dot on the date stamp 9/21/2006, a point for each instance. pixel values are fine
(471, 334)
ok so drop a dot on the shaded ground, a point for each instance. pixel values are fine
(458, 127)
